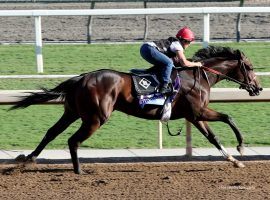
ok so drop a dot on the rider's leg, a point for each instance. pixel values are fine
(155, 57)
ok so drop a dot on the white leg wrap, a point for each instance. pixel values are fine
(224, 152)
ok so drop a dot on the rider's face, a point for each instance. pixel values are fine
(185, 43)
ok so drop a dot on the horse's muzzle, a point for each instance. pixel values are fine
(253, 90)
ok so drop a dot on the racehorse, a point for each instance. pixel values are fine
(95, 95)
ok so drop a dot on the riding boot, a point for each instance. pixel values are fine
(165, 89)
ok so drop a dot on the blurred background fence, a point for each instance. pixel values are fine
(204, 11)
(126, 28)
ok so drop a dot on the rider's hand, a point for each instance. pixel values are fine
(199, 64)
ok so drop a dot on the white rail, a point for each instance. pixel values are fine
(224, 95)
(138, 11)
(205, 11)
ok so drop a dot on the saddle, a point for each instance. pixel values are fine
(146, 85)
(144, 81)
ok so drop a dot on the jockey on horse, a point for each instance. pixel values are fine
(163, 52)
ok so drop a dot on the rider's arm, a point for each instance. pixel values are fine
(184, 62)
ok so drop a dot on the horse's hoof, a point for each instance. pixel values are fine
(80, 172)
(239, 164)
(25, 159)
(83, 173)
(20, 158)
(240, 149)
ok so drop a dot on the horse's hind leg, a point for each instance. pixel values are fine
(207, 132)
(86, 130)
(211, 115)
(67, 118)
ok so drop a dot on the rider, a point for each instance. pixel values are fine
(161, 53)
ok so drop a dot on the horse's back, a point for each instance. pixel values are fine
(103, 79)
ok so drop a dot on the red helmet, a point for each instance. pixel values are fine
(186, 33)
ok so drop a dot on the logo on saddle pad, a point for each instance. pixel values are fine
(144, 83)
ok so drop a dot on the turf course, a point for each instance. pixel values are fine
(23, 129)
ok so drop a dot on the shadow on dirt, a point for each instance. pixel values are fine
(144, 159)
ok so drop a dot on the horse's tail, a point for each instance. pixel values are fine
(45, 95)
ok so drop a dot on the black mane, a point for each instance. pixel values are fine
(216, 51)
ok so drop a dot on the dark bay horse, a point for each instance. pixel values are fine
(94, 96)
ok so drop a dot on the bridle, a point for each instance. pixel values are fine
(243, 84)
(246, 84)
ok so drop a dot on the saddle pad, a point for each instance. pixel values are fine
(152, 99)
(145, 84)
(159, 99)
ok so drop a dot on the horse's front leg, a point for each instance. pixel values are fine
(212, 115)
(207, 132)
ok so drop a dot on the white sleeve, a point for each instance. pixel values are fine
(176, 46)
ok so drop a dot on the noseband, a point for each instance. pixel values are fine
(245, 74)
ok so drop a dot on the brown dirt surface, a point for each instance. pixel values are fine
(131, 28)
(155, 180)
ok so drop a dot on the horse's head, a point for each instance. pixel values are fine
(245, 74)
(237, 67)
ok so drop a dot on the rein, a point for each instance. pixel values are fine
(170, 133)
(214, 72)
(225, 76)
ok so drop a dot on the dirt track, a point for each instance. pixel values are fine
(131, 28)
(177, 180)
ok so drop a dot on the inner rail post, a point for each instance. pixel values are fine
(38, 48)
